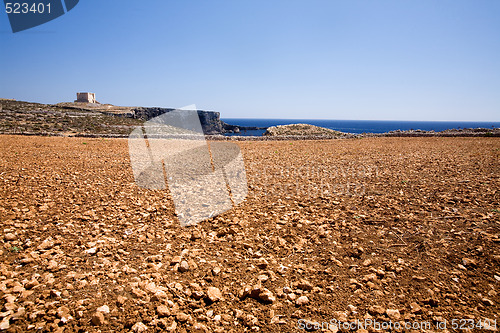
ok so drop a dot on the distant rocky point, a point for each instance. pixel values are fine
(210, 120)
(303, 130)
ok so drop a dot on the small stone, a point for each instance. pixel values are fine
(9, 298)
(163, 311)
(63, 312)
(214, 294)
(98, 319)
(305, 285)
(263, 277)
(53, 265)
(199, 328)
(55, 293)
(120, 300)
(197, 294)
(175, 260)
(184, 266)
(370, 277)
(337, 262)
(31, 284)
(172, 327)
(266, 296)
(182, 317)
(365, 263)
(92, 250)
(103, 309)
(18, 289)
(9, 307)
(376, 310)
(393, 314)
(10, 237)
(139, 327)
(4, 324)
(298, 314)
(302, 300)
(469, 262)
(21, 312)
(46, 244)
(238, 314)
(415, 308)
(26, 260)
(487, 301)
(196, 235)
(138, 293)
(371, 285)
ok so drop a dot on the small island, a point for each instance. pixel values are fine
(303, 130)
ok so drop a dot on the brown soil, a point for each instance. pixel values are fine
(400, 229)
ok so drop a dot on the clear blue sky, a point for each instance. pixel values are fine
(372, 59)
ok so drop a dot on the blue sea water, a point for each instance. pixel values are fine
(358, 126)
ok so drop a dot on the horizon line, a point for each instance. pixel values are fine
(461, 121)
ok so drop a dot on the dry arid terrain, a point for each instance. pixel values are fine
(64, 119)
(387, 230)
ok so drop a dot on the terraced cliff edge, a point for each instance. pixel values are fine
(91, 119)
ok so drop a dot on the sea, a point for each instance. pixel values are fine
(357, 126)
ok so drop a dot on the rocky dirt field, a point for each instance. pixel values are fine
(389, 230)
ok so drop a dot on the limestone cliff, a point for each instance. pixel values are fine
(210, 120)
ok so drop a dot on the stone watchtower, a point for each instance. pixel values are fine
(85, 97)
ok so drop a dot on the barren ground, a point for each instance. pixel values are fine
(388, 229)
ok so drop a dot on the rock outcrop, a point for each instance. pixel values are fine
(210, 120)
(302, 130)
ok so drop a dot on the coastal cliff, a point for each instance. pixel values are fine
(210, 120)
(92, 119)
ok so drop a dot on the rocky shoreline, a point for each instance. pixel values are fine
(466, 132)
(108, 121)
